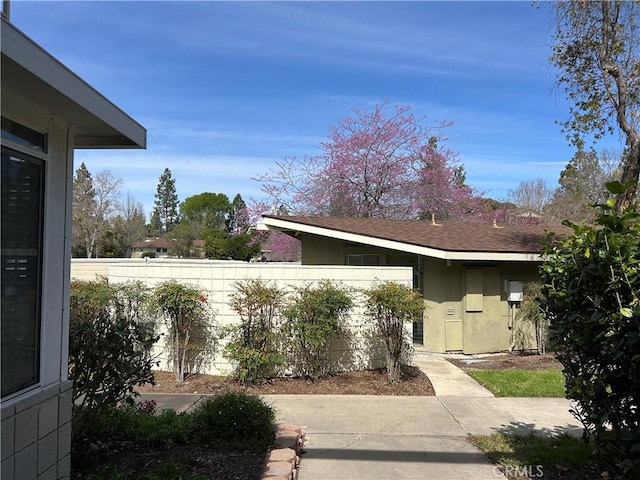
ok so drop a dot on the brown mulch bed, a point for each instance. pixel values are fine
(130, 461)
(508, 361)
(367, 382)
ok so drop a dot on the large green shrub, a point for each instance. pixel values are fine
(108, 349)
(314, 316)
(188, 319)
(253, 343)
(235, 420)
(389, 306)
(591, 292)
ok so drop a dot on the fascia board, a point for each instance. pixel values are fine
(279, 224)
(52, 74)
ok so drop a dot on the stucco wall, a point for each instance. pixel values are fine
(448, 324)
(217, 279)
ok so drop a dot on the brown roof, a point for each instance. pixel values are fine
(446, 236)
(153, 243)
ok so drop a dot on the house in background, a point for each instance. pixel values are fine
(471, 275)
(163, 248)
(160, 247)
(47, 113)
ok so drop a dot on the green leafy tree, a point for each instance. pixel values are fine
(591, 295)
(154, 228)
(205, 211)
(315, 316)
(241, 247)
(182, 237)
(389, 306)
(220, 245)
(215, 243)
(597, 53)
(253, 343)
(188, 320)
(166, 202)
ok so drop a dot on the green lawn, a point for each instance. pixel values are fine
(521, 383)
(534, 455)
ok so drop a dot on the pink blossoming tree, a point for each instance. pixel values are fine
(383, 163)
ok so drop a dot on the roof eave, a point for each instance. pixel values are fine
(270, 223)
(33, 73)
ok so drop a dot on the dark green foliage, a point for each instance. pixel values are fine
(241, 247)
(221, 245)
(235, 420)
(205, 210)
(231, 421)
(314, 317)
(153, 430)
(148, 254)
(108, 349)
(591, 290)
(253, 343)
(165, 206)
(389, 305)
(238, 219)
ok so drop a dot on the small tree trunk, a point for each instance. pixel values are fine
(184, 355)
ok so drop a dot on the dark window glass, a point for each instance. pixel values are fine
(21, 236)
(23, 135)
(369, 260)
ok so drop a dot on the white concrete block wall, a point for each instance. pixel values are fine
(36, 435)
(217, 279)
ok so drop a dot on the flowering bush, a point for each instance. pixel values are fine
(148, 406)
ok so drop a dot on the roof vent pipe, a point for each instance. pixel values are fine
(495, 224)
(433, 220)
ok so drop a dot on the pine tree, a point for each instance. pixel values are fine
(238, 219)
(166, 201)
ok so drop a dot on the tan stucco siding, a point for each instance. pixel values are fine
(449, 327)
(522, 336)
(321, 251)
(443, 300)
(486, 329)
(458, 317)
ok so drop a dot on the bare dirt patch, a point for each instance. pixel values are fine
(368, 382)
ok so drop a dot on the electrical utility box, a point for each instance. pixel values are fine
(514, 291)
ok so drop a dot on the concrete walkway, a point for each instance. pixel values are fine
(384, 437)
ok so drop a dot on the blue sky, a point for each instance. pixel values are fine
(225, 89)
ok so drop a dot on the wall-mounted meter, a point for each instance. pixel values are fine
(514, 291)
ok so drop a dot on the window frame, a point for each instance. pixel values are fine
(36, 356)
